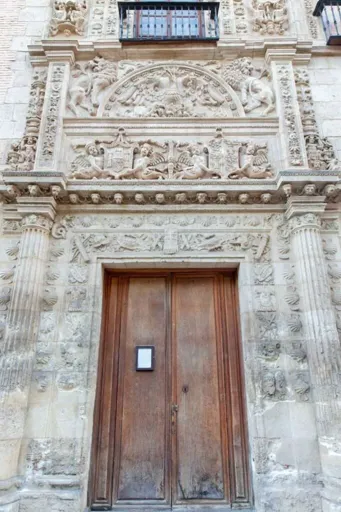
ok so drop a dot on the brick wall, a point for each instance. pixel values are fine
(21, 23)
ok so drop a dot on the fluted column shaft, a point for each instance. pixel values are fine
(16, 359)
(323, 349)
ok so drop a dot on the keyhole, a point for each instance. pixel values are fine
(185, 388)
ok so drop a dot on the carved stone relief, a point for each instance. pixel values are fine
(88, 81)
(172, 90)
(293, 136)
(312, 20)
(240, 17)
(68, 17)
(21, 156)
(103, 19)
(320, 151)
(254, 91)
(270, 17)
(51, 124)
(123, 158)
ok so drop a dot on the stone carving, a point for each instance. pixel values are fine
(320, 151)
(270, 16)
(7, 274)
(55, 457)
(50, 299)
(255, 164)
(103, 18)
(147, 165)
(267, 325)
(76, 298)
(53, 107)
(269, 351)
(294, 324)
(21, 156)
(88, 81)
(68, 17)
(242, 76)
(312, 20)
(294, 142)
(297, 352)
(266, 300)
(301, 386)
(240, 16)
(172, 90)
(274, 385)
(226, 16)
(292, 298)
(263, 274)
(5, 297)
(123, 158)
(255, 244)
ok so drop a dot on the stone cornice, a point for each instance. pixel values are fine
(228, 48)
(298, 206)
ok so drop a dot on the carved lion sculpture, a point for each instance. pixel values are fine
(254, 92)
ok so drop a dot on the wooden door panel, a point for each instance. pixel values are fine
(141, 463)
(199, 470)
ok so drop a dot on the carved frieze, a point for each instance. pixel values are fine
(270, 17)
(68, 17)
(148, 159)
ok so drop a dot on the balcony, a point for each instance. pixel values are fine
(168, 21)
(330, 12)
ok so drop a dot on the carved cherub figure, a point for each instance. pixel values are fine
(193, 164)
(255, 164)
(91, 164)
(145, 167)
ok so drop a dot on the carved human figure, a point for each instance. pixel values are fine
(90, 165)
(88, 81)
(254, 92)
(145, 166)
(255, 164)
(270, 16)
(194, 162)
(22, 155)
(68, 17)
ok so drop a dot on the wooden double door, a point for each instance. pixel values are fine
(174, 436)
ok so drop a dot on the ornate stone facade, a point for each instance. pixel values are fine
(185, 154)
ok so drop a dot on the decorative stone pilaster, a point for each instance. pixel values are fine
(291, 129)
(16, 356)
(323, 345)
(51, 129)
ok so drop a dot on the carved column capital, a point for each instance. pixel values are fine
(37, 222)
(307, 220)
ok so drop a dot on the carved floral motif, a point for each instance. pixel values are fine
(68, 17)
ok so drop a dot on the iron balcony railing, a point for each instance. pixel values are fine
(168, 21)
(330, 12)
